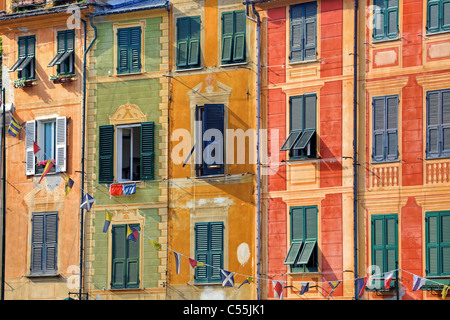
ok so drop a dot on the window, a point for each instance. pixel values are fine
(437, 243)
(210, 139)
(301, 142)
(134, 156)
(303, 32)
(125, 258)
(302, 255)
(25, 64)
(129, 50)
(438, 16)
(209, 250)
(233, 37)
(65, 57)
(384, 245)
(385, 128)
(438, 124)
(44, 241)
(51, 136)
(385, 19)
(188, 42)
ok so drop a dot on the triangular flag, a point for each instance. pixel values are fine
(87, 203)
(155, 244)
(333, 285)
(14, 127)
(278, 289)
(108, 218)
(247, 280)
(36, 148)
(195, 263)
(418, 282)
(131, 233)
(47, 168)
(445, 291)
(177, 261)
(305, 288)
(388, 279)
(69, 185)
(227, 278)
(361, 285)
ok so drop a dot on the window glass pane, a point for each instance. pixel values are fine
(126, 154)
(136, 153)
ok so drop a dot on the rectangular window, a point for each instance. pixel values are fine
(129, 50)
(303, 32)
(233, 36)
(437, 243)
(65, 57)
(44, 242)
(384, 245)
(385, 19)
(438, 124)
(209, 250)
(210, 139)
(25, 65)
(385, 128)
(125, 258)
(301, 142)
(51, 137)
(302, 255)
(134, 156)
(438, 16)
(188, 42)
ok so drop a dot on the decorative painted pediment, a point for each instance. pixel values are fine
(214, 91)
(128, 113)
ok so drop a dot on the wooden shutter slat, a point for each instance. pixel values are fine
(29, 150)
(147, 150)
(106, 154)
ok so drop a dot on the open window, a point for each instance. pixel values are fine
(25, 64)
(65, 57)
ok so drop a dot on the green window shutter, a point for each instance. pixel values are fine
(216, 248)
(297, 224)
(213, 118)
(391, 246)
(209, 250)
(378, 145)
(182, 42)
(239, 36)
(135, 50)
(227, 36)
(132, 261)
(123, 37)
(147, 150)
(201, 251)
(31, 46)
(118, 255)
(391, 19)
(293, 252)
(445, 17)
(445, 243)
(194, 42)
(61, 38)
(296, 24)
(22, 44)
(296, 117)
(310, 41)
(310, 217)
(379, 20)
(70, 40)
(106, 154)
(432, 243)
(310, 111)
(391, 135)
(433, 14)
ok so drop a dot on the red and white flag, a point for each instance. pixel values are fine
(388, 279)
(278, 289)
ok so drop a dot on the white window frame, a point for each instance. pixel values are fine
(120, 149)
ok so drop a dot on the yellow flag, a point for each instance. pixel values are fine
(445, 291)
(155, 244)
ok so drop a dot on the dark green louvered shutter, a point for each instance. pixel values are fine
(132, 261)
(296, 119)
(201, 251)
(22, 44)
(129, 50)
(445, 15)
(37, 243)
(391, 135)
(227, 36)
(147, 150)
(182, 42)
(445, 243)
(213, 118)
(303, 31)
(123, 65)
(297, 224)
(239, 36)
(445, 123)
(378, 19)
(437, 246)
(310, 233)
(216, 249)
(433, 124)
(310, 111)
(391, 242)
(106, 154)
(194, 42)
(296, 32)
(135, 50)
(378, 129)
(391, 18)
(209, 250)
(310, 32)
(118, 255)
(433, 14)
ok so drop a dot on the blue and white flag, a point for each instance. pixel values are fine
(177, 261)
(227, 278)
(305, 288)
(418, 282)
(87, 203)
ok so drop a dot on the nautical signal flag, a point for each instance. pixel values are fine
(444, 291)
(278, 289)
(247, 280)
(177, 261)
(418, 282)
(227, 278)
(155, 244)
(14, 127)
(132, 233)
(361, 285)
(108, 219)
(47, 168)
(69, 185)
(87, 203)
(195, 263)
(36, 148)
(388, 279)
(333, 285)
(305, 288)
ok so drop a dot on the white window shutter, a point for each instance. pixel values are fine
(61, 144)
(29, 151)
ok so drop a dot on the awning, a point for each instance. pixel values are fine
(16, 64)
(25, 63)
(298, 140)
(59, 58)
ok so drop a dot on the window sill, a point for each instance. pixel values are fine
(303, 273)
(432, 34)
(301, 63)
(207, 283)
(236, 64)
(128, 74)
(385, 162)
(43, 275)
(381, 41)
(189, 69)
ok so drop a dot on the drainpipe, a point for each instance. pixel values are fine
(83, 145)
(355, 145)
(258, 164)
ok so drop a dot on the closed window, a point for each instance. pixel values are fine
(302, 255)
(233, 37)
(385, 128)
(437, 243)
(384, 246)
(51, 137)
(25, 64)
(438, 16)
(125, 258)
(44, 242)
(210, 139)
(301, 142)
(438, 124)
(129, 50)
(133, 149)
(65, 57)
(188, 42)
(209, 250)
(303, 32)
(385, 19)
